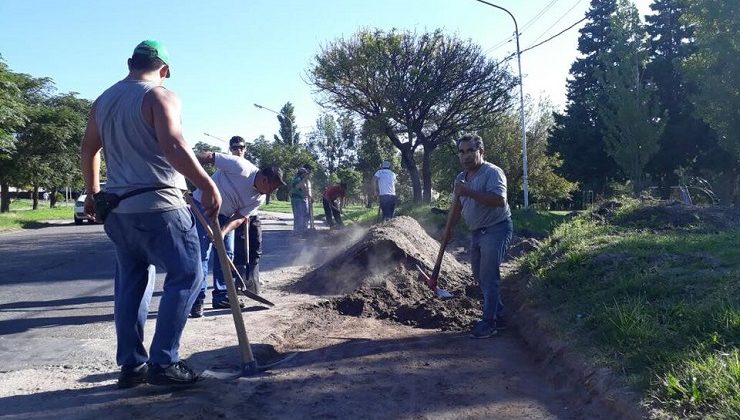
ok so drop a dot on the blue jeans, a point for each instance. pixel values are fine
(206, 253)
(387, 204)
(169, 241)
(300, 213)
(487, 250)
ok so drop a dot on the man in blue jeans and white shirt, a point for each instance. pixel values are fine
(243, 187)
(136, 122)
(481, 198)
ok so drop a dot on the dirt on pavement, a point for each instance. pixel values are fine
(371, 341)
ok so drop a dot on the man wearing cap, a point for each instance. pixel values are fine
(249, 268)
(136, 122)
(385, 188)
(243, 187)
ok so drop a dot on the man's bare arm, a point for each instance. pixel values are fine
(165, 115)
(90, 161)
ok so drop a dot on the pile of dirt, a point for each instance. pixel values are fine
(672, 215)
(378, 277)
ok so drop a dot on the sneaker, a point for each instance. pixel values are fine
(175, 374)
(224, 304)
(483, 329)
(197, 310)
(132, 376)
(501, 323)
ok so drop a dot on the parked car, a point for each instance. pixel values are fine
(79, 211)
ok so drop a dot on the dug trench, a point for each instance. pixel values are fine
(375, 277)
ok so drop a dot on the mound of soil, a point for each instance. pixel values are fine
(673, 215)
(379, 278)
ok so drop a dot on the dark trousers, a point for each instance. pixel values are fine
(387, 204)
(252, 269)
(332, 213)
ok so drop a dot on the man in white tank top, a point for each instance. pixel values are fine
(136, 122)
(385, 188)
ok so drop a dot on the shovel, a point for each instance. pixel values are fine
(209, 232)
(310, 215)
(431, 280)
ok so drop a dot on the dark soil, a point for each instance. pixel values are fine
(378, 277)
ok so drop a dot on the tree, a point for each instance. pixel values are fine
(48, 145)
(21, 93)
(714, 66)
(334, 141)
(577, 135)
(12, 116)
(631, 120)
(687, 142)
(287, 157)
(419, 91)
(502, 140)
(288, 130)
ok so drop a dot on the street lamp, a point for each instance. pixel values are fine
(215, 137)
(280, 115)
(525, 180)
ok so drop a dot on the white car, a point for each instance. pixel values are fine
(79, 212)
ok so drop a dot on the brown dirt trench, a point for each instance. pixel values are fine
(371, 342)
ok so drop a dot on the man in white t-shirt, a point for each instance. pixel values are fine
(385, 188)
(243, 187)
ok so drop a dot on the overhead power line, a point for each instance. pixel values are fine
(521, 30)
(558, 21)
(554, 36)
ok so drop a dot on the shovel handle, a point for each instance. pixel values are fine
(209, 232)
(445, 239)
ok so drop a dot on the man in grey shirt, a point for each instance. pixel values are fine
(480, 196)
(136, 122)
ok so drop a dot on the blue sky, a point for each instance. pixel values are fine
(227, 54)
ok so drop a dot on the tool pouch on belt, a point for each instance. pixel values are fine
(106, 202)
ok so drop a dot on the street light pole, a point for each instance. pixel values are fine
(525, 179)
(281, 115)
(215, 137)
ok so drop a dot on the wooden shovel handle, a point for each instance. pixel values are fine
(245, 350)
(445, 240)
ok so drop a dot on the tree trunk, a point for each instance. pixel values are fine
(407, 159)
(426, 172)
(4, 197)
(35, 197)
(53, 198)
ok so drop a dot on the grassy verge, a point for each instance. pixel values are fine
(656, 303)
(21, 216)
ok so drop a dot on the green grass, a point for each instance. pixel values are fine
(21, 216)
(659, 305)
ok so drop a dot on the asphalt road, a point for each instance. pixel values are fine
(56, 303)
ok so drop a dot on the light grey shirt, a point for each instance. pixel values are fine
(133, 157)
(235, 181)
(491, 179)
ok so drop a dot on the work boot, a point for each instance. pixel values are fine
(197, 310)
(483, 329)
(132, 376)
(178, 374)
(224, 304)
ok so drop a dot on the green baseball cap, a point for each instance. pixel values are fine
(152, 48)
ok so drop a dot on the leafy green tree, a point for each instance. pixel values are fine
(48, 145)
(353, 178)
(577, 135)
(333, 141)
(12, 116)
(418, 90)
(33, 92)
(631, 119)
(502, 140)
(687, 141)
(288, 129)
(714, 67)
(286, 157)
